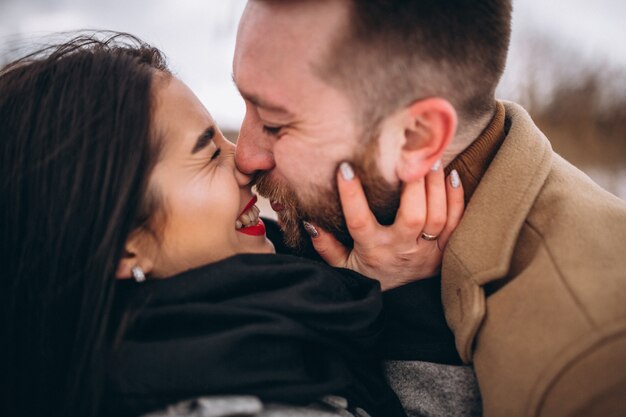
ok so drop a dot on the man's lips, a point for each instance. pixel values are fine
(276, 206)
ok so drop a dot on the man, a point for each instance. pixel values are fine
(533, 281)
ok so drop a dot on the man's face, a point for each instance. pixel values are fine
(297, 128)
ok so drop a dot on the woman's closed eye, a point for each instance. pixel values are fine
(217, 153)
(208, 162)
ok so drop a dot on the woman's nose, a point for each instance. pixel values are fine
(242, 179)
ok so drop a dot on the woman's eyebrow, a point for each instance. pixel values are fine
(204, 139)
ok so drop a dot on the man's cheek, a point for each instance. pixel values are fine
(303, 166)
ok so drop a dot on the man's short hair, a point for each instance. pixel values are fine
(394, 52)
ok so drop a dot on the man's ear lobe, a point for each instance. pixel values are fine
(133, 256)
(430, 126)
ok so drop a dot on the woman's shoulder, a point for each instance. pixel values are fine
(251, 406)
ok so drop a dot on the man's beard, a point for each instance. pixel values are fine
(321, 205)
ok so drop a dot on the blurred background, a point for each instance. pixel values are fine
(567, 63)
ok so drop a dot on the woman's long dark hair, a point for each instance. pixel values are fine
(76, 151)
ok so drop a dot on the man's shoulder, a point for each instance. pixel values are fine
(558, 315)
(574, 217)
(582, 228)
(572, 205)
(574, 234)
(568, 191)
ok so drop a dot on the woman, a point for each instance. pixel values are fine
(111, 168)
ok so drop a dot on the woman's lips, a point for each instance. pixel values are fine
(256, 230)
(250, 204)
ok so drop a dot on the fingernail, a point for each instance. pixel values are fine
(346, 171)
(310, 229)
(455, 180)
(437, 165)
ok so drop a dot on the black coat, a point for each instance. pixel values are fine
(275, 326)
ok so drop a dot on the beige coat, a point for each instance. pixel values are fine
(552, 340)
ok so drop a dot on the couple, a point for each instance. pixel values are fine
(532, 282)
(113, 169)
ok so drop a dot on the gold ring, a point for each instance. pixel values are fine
(428, 237)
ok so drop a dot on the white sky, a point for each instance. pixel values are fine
(198, 36)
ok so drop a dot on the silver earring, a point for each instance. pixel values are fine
(138, 273)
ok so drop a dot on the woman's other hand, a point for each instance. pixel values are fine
(412, 247)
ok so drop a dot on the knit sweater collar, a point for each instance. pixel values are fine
(473, 162)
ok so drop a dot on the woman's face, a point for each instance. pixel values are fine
(204, 199)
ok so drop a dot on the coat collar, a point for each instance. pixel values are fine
(481, 248)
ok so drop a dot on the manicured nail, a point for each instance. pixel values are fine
(346, 171)
(437, 165)
(310, 229)
(455, 180)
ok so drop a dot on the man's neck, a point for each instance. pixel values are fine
(467, 133)
(475, 151)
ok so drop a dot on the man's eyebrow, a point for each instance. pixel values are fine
(259, 102)
(204, 139)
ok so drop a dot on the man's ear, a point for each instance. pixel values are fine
(135, 254)
(430, 125)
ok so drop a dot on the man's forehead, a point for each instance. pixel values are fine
(272, 82)
(266, 101)
(290, 27)
(278, 45)
(304, 14)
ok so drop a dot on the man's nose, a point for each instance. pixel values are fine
(254, 153)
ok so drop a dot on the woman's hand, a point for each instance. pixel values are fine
(412, 247)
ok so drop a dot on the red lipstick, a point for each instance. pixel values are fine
(256, 229)
(250, 204)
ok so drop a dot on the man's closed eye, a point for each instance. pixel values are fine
(272, 130)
